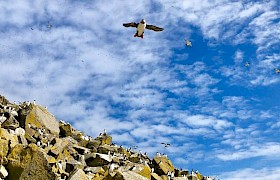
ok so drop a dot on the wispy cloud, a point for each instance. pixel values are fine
(258, 174)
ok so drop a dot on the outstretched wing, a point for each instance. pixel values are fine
(154, 28)
(132, 24)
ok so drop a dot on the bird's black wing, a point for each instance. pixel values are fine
(132, 24)
(154, 28)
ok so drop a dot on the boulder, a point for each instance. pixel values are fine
(38, 168)
(81, 150)
(12, 138)
(65, 129)
(78, 174)
(154, 176)
(93, 144)
(4, 148)
(104, 149)
(129, 175)
(134, 158)
(19, 158)
(143, 170)
(192, 177)
(10, 123)
(116, 176)
(65, 156)
(95, 170)
(96, 159)
(163, 165)
(3, 100)
(41, 118)
(104, 139)
(58, 146)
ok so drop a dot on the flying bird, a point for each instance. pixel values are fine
(166, 144)
(277, 71)
(141, 27)
(188, 43)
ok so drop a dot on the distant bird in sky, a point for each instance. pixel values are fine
(166, 144)
(49, 25)
(247, 64)
(188, 43)
(141, 27)
(277, 71)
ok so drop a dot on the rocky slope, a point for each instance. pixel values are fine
(34, 145)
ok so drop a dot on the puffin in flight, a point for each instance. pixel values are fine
(188, 43)
(141, 27)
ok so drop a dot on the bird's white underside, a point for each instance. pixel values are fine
(141, 27)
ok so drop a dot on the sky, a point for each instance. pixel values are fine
(220, 116)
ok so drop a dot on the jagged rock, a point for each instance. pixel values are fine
(116, 176)
(134, 158)
(96, 159)
(104, 139)
(142, 170)
(65, 129)
(95, 170)
(129, 175)
(164, 177)
(29, 138)
(93, 144)
(179, 173)
(19, 158)
(78, 174)
(3, 172)
(38, 168)
(199, 176)
(192, 177)
(10, 123)
(65, 155)
(163, 165)
(58, 146)
(3, 100)
(4, 148)
(81, 150)
(39, 117)
(105, 149)
(10, 137)
(154, 176)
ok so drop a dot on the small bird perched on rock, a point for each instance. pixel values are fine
(141, 27)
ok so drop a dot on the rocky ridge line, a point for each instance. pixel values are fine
(34, 145)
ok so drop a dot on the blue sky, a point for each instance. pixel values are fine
(220, 117)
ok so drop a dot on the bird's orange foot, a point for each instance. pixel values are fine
(142, 36)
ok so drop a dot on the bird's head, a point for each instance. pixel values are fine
(143, 21)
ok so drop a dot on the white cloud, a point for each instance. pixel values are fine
(256, 174)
